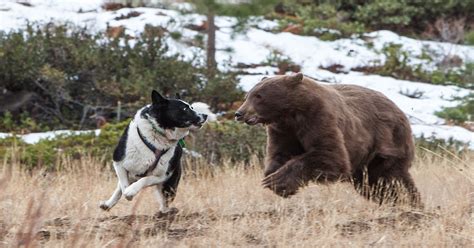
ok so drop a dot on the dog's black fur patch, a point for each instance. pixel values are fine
(170, 187)
(119, 152)
(171, 113)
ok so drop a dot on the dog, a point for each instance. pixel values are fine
(150, 149)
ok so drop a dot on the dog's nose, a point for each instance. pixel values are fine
(238, 114)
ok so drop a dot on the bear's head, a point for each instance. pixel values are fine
(269, 100)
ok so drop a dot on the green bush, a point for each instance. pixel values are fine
(461, 113)
(323, 21)
(215, 141)
(22, 123)
(469, 38)
(229, 140)
(75, 74)
(410, 17)
(396, 65)
(380, 14)
(47, 152)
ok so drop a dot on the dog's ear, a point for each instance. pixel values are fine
(178, 96)
(157, 99)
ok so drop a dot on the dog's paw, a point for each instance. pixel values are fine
(129, 193)
(103, 205)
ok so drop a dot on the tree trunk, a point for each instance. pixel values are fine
(211, 45)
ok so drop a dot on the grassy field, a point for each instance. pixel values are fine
(221, 206)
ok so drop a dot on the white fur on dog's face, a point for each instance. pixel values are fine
(203, 108)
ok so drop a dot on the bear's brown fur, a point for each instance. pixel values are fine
(326, 133)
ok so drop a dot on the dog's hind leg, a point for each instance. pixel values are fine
(143, 182)
(107, 205)
(161, 199)
(122, 175)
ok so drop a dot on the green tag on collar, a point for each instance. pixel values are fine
(182, 143)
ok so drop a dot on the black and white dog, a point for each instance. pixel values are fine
(150, 149)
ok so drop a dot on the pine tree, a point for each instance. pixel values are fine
(240, 9)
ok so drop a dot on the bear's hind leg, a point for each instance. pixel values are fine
(413, 195)
(387, 180)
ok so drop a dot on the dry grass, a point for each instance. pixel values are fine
(225, 206)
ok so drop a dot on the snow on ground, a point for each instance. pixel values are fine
(33, 138)
(255, 46)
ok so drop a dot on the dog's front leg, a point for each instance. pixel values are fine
(107, 205)
(122, 175)
(143, 182)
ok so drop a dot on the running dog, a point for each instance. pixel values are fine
(150, 150)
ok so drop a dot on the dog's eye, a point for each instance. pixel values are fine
(258, 96)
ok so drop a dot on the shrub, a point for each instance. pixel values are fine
(229, 140)
(47, 152)
(323, 21)
(461, 113)
(411, 17)
(75, 74)
(397, 65)
(380, 14)
(469, 38)
(215, 141)
(22, 124)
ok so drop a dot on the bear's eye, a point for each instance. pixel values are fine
(258, 96)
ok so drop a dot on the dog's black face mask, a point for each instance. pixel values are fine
(173, 113)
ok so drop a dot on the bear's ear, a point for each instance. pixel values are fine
(297, 77)
(157, 99)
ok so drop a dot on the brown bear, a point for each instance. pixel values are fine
(326, 133)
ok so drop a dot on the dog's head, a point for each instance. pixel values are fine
(173, 113)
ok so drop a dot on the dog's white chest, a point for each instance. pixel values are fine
(139, 159)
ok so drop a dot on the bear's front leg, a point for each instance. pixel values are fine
(318, 165)
(281, 147)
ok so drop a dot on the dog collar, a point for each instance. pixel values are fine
(149, 144)
(158, 130)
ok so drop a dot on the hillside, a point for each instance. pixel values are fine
(260, 51)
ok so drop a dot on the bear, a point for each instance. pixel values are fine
(326, 133)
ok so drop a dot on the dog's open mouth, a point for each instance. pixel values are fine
(198, 125)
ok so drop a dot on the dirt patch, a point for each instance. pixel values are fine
(138, 227)
(128, 227)
(404, 220)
